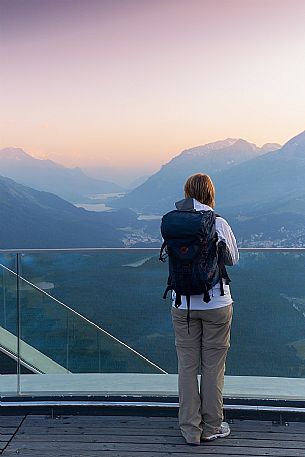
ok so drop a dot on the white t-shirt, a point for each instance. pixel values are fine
(225, 234)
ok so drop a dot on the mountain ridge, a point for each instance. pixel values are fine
(36, 219)
(43, 174)
(165, 186)
(262, 197)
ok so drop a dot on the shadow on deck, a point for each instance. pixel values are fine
(133, 436)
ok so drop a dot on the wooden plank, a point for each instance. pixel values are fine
(280, 436)
(10, 421)
(105, 417)
(153, 431)
(260, 443)
(76, 448)
(7, 430)
(270, 430)
(157, 439)
(57, 423)
(5, 438)
(84, 453)
(98, 420)
(59, 453)
(100, 439)
(97, 430)
(248, 425)
(153, 422)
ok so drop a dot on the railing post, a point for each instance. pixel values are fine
(67, 342)
(18, 315)
(4, 299)
(99, 351)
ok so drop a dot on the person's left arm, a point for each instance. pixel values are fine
(226, 242)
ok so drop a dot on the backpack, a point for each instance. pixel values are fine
(190, 243)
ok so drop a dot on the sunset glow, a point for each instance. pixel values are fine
(133, 82)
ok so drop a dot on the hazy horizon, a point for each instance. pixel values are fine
(130, 84)
(124, 176)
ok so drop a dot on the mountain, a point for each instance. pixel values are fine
(71, 184)
(158, 193)
(273, 182)
(138, 181)
(264, 198)
(260, 191)
(36, 219)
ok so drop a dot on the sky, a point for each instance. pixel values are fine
(107, 84)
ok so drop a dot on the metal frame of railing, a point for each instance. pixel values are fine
(32, 251)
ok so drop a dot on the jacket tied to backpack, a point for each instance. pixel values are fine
(196, 258)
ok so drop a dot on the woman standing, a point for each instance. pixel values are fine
(202, 348)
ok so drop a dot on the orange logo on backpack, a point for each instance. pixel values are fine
(184, 249)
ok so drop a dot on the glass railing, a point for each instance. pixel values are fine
(100, 314)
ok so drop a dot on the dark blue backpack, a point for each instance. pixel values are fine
(190, 243)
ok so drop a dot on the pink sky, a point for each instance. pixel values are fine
(134, 82)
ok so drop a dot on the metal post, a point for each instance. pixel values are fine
(67, 343)
(99, 351)
(18, 315)
(4, 299)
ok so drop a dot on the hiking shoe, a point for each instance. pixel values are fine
(224, 430)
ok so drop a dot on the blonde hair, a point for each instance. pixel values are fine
(200, 187)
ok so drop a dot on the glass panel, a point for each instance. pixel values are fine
(56, 341)
(268, 333)
(43, 331)
(8, 326)
(121, 292)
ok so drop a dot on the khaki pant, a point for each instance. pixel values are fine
(204, 352)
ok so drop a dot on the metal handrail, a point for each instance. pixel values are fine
(86, 320)
(33, 251)
(14, 356)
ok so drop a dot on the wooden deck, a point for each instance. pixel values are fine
(130, 436)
